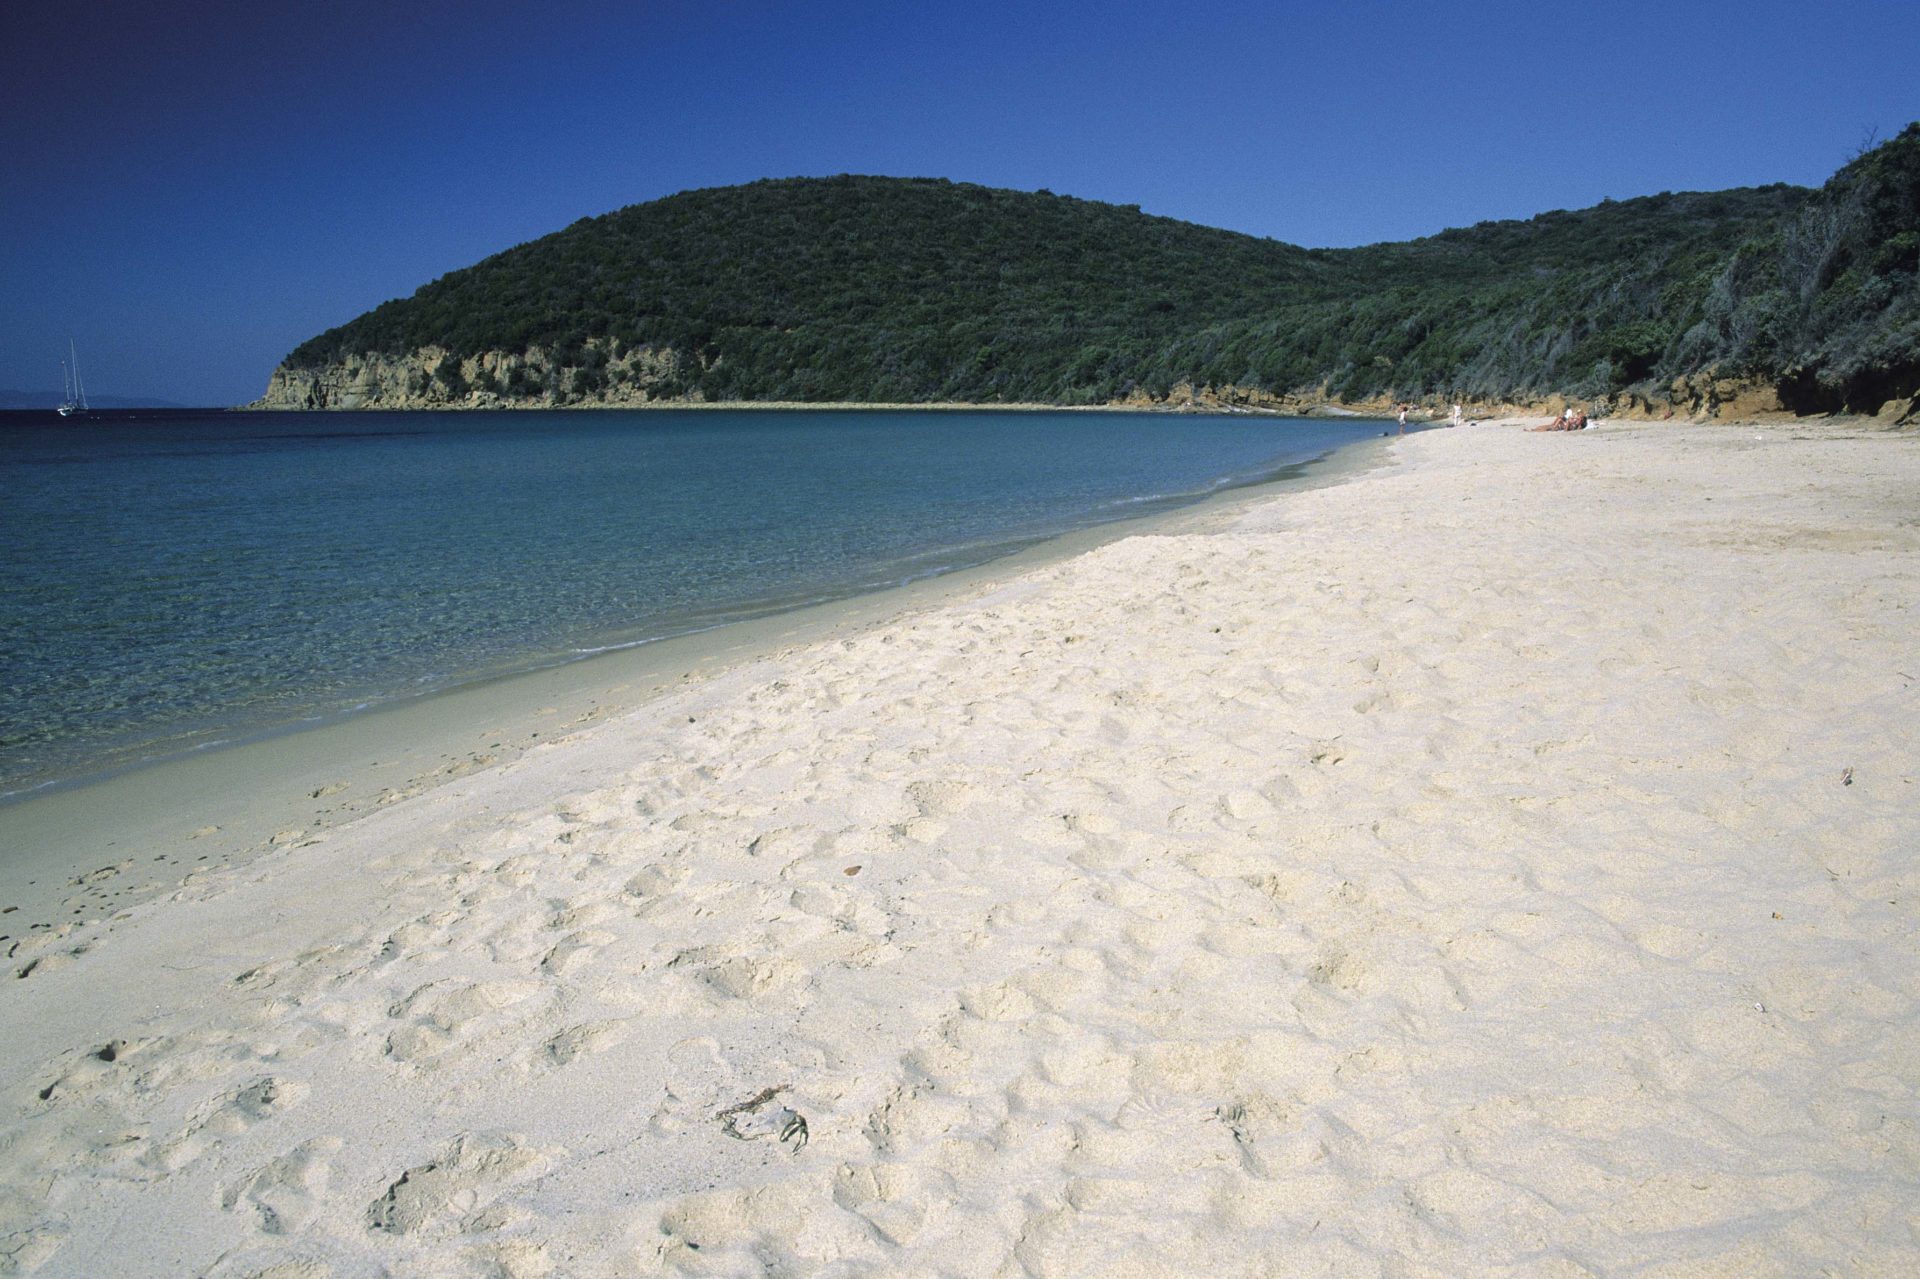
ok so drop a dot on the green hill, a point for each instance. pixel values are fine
(916, 290)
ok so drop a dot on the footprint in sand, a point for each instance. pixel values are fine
(227, 1116)
(736, 976)
(287, 1193)
(96, 1068)
(444, 1013)
(449, 1191)
(576, 950)
(655, 881)
(579, 1041)
(895, 1200)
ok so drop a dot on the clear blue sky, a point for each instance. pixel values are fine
(191, 189)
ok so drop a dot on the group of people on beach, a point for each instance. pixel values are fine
(1453, 419)
(1570, 420)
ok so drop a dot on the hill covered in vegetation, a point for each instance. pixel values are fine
(917, 290)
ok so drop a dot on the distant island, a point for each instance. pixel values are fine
(914, 290)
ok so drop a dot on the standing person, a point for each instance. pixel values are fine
(1403, 419)
(1454, 418)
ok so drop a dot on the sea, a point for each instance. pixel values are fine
(171, 581)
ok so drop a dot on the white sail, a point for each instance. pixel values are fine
(73, 392)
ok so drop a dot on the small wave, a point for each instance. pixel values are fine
(30, 790)
(1149, 499)
(624, 645)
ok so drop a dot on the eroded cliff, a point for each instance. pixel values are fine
(604, 377)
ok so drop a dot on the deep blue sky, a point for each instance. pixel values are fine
(191, 189)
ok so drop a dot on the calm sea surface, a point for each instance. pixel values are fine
(169, 581)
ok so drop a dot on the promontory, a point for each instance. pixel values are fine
(913, 290)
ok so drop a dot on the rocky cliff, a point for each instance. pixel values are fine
(429, 379)
(604, 377)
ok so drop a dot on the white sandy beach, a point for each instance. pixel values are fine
(1501, 863)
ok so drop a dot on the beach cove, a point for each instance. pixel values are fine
(1501, 862)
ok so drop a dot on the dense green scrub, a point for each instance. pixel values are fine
(910, 290)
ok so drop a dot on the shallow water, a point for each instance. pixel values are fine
(171, 581)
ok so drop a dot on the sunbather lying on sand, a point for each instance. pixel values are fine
(1568, 421)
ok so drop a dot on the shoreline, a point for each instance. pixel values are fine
(1500, 862)
(225, 803)
(96, 747)
(1731, 404)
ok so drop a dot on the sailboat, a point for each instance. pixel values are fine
(73, 392)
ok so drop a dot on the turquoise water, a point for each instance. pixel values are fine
(171, 581)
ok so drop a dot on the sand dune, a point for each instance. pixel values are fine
(1499, 864)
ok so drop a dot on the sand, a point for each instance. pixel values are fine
(1502, 863)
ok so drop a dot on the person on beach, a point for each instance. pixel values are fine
(1403, 419)
(1453, 419)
